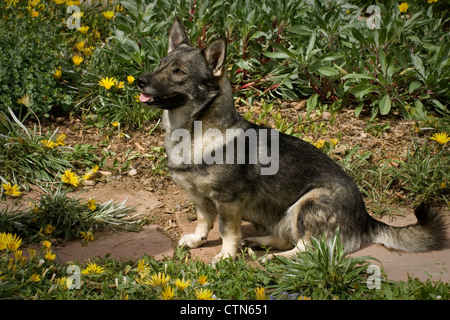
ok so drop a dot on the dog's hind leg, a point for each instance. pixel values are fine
(269, 241)
(300, 246)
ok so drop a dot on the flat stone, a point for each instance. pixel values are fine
(122, 246)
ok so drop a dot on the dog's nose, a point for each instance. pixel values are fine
(142, 81)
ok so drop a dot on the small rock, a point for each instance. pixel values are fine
(132, 172)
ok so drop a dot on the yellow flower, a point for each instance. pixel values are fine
(120, 8)
(443, 184)
(34, 13)
(33, 3)
(115, 123)
(142, 268)
(159, 279)
(58, 73)
(25, 100)
(48, 144)
(12, 191)
(70, 178)
(137, 98)
(403, 7)
(181, 284)
(93, 268)
(10, 3)
(50, 256)
(441, 137)
(431, 1)
(319, 144)
(77, 60)
(120, 85)
(49, 229)
(203, 294)
(202, 279)
(72, 3)
(60, 139)
(79, 45)
(108, 14)
(46, 244)
(334, 142)
(167, 293)
(35, 278)
(91, 204)
(88, 50)
(260, 293)
(304, 298)
(83, 30)
(59, 1)
(107, 82)
(88, 236)
(64, 282)
(90, 173)
(17, 255)
(78, 15)
(31, 253)
(130, 79)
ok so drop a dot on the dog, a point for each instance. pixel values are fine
(219, 159)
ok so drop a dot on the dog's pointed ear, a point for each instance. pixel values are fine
(215, 55)
(177, 36)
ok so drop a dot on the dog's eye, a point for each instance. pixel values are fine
(180, 72)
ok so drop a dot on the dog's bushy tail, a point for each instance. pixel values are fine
(427, 234)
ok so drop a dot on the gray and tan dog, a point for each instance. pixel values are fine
(237, 170)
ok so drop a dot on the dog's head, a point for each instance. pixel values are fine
(186, 76)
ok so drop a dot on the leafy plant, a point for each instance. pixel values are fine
(323, 271)
(28, 156)
(424, 174)
(67, 216)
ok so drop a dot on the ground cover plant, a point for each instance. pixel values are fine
(294, 65)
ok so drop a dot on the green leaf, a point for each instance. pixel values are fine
(358, 109)
(301, 30)
(358, 76)
(413, 86)
(328, 71)
(360, 90)
(312, 102)
(312, 42)
(385, 105)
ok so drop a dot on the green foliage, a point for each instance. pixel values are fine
(424, 174)
(289, 49)
(30, 156)
(229, 279)
(24, 158)
(67, 216)
(324, 271)
(24, 71)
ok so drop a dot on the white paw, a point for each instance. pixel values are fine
(191, 241)
(266, 258)
(219, 257)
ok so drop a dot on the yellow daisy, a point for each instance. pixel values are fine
(441, 137)
(107, 83)
(12, 191)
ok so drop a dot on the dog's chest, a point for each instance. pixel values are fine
(194, 185)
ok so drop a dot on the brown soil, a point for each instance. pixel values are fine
(171, 213)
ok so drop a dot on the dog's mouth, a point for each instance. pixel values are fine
(163, 102)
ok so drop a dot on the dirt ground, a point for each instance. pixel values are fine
(172, 214)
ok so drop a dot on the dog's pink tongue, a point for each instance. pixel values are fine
(144, 97)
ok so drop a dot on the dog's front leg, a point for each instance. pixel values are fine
(230, 220)
(205, 222)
